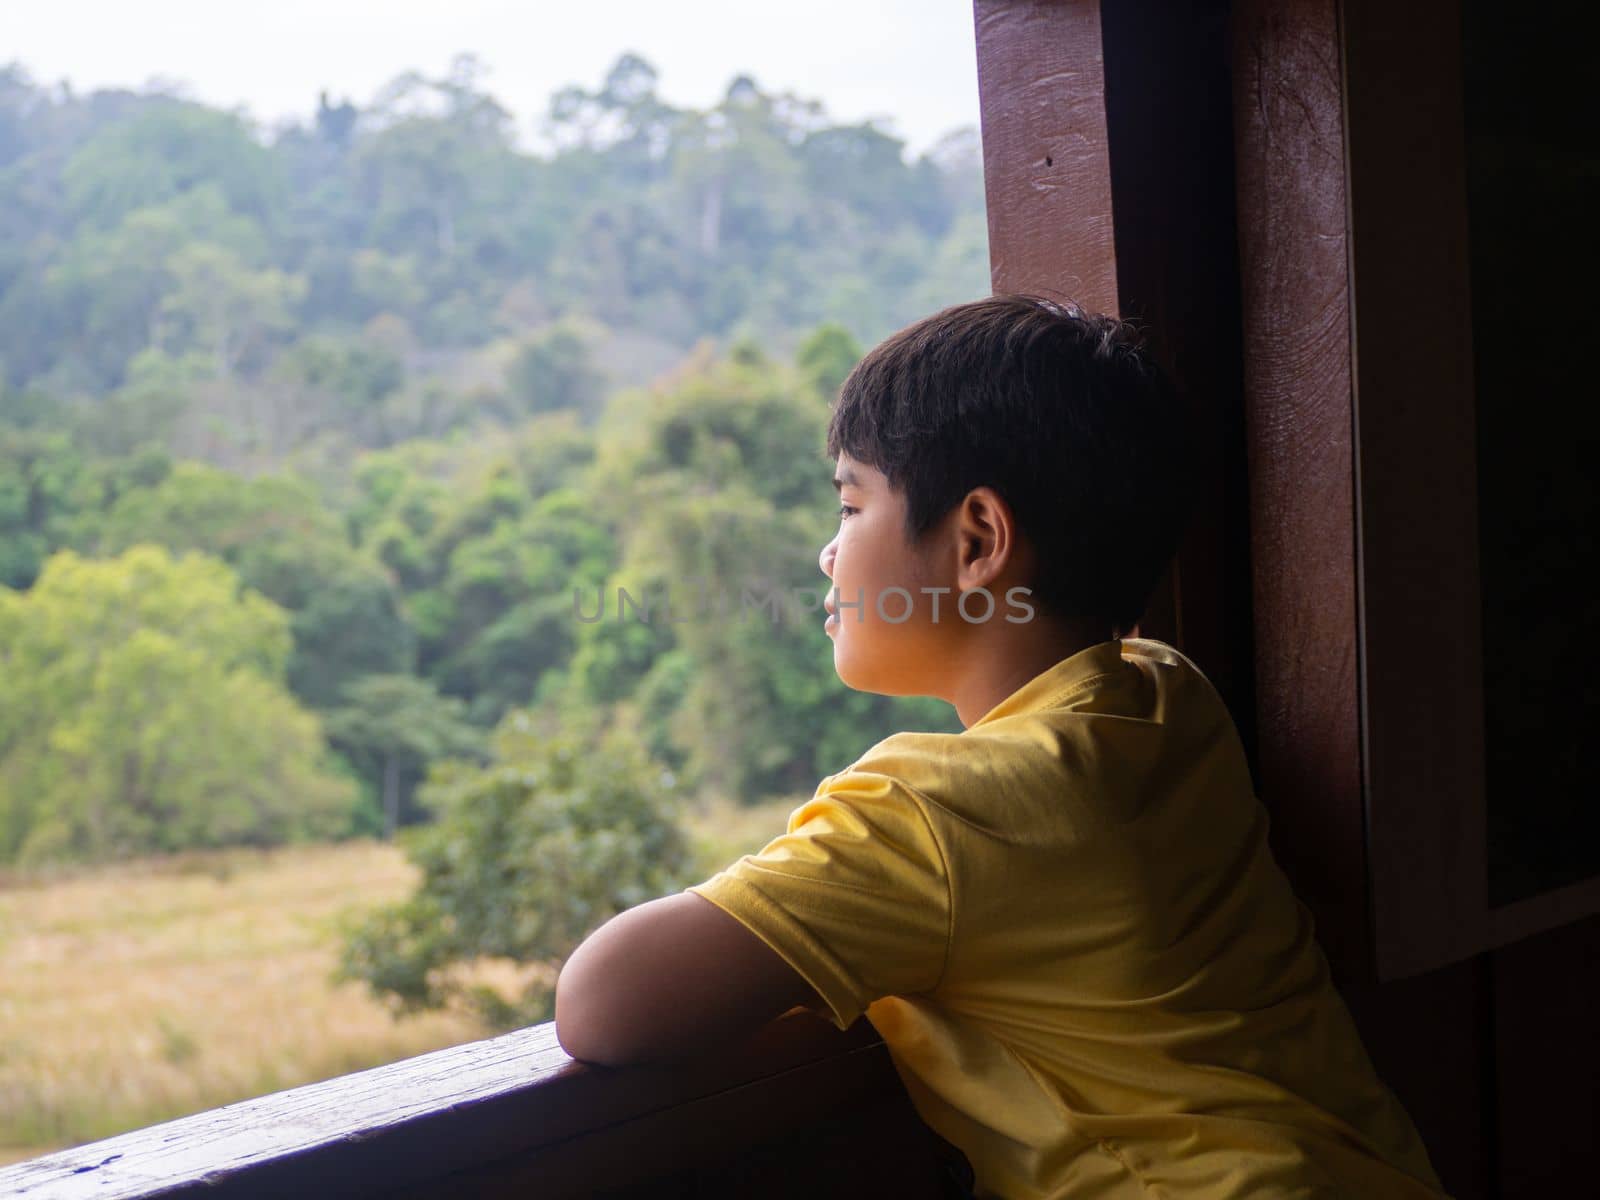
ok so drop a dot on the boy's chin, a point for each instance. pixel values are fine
(852, 672)
(861, 674)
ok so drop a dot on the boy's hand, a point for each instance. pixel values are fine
(668, 979)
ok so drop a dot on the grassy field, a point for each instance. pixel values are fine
(138, 993)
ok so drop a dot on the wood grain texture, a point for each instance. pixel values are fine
(1298, 385)
(861, 1136)
(423, 1119)
(1047, 175)
(1359, 379)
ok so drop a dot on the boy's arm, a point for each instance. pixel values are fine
(667, 979)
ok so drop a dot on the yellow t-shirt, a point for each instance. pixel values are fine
(1067, 926)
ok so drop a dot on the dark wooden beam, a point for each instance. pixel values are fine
(1417, 515)
(1108, 165)
(1298, 388)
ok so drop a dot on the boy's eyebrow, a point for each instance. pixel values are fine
(845, 477)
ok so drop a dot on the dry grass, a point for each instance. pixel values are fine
(141, 992)
(133, 994)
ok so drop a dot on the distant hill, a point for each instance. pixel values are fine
(168, 272)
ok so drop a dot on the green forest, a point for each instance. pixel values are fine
(315, 444)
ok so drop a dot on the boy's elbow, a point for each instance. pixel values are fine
(666, 981)
(588, 1045)
(586, 1026)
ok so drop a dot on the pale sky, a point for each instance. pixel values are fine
(911, 61)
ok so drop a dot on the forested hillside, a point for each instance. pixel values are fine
(308, 437)
(169, 273)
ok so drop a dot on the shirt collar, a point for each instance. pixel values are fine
(1056, 682)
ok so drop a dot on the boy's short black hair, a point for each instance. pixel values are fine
(1064, 413)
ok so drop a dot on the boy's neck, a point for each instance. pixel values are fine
(1000, 659)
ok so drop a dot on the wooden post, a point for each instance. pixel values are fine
(1108, 169)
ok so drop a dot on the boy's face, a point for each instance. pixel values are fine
(890, 643)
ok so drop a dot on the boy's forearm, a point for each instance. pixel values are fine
(668, 980)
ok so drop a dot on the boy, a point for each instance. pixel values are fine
(1064, 921)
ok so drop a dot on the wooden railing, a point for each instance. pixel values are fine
(800, 1110)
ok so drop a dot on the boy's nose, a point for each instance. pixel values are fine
(825, 559)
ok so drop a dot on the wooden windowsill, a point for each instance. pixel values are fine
(487, 1118)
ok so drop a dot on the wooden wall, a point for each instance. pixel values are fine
(1276, 187)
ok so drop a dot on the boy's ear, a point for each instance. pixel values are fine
(985, 536)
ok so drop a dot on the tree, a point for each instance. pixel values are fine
(391, 727)
(345, 610)
(346, 613)
(826, 357)
(554, 370)
(624, 118)
(434, 138)
(163, 149)
(491, 569)
(563, 830)
(158, 390)
(123, 213)
(404, 271)
(219, 306)
(144, 711)
(113, 281)
(54, 495)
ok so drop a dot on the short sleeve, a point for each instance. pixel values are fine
(855, 896)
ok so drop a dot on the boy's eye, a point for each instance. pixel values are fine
(845, 510)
